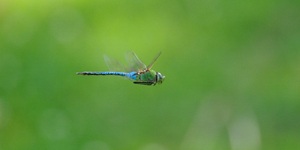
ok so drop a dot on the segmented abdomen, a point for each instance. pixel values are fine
(103, 73)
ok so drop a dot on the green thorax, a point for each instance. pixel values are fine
(148, 76)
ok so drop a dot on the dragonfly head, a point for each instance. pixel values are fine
(159, 78)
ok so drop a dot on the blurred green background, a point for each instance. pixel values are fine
(232, 75)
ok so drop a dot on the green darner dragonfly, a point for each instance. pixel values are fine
(136, 71)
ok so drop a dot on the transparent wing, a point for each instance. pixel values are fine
(150, 66)
(114, 65)
(134, 63)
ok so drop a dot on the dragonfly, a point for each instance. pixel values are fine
(136, 71)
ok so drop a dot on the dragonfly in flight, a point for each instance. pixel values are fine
(136, 71)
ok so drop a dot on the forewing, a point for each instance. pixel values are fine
(151, 65)
(114, 65)
(134, 63)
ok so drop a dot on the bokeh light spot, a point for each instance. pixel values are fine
(18, 28)
(244, 134)
(153, 146)
(95, 145)
(54, 125)
(66, 24)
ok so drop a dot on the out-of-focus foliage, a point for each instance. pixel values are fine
(232, 75)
